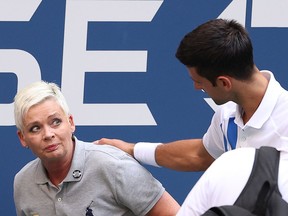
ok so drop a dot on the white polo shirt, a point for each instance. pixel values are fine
(224, 180)
(266, 125)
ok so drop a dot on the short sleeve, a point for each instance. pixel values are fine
(136, 188)
(213, 138)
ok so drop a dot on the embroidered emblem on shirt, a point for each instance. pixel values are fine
(89, 211)
(76, 174)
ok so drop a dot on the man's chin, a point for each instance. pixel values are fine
(217, 102)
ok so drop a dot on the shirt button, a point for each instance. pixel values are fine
(59, 199)
(243, 138)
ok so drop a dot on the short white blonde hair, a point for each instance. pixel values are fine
(34, 94)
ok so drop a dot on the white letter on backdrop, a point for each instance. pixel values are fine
(77, 60)
(27, 70)
(18, 10)
(19, 62)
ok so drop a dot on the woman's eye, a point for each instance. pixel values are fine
(56, 122)
(34, 129)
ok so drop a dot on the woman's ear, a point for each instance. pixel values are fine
(72, 124)
(21, 138)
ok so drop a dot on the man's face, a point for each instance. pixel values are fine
(47, 131)
(218, 93)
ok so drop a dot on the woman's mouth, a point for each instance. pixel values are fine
(51, 147)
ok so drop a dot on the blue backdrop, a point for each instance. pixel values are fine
(114, 61)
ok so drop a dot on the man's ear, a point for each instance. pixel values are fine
(21, 138)
(224, 82)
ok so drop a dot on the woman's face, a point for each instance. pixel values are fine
(47, 131)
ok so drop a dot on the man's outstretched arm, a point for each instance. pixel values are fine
(181, 155)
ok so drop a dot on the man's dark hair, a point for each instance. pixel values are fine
(218, 47)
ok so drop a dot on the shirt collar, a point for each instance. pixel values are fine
(76, 170)
(77, 167)
(267, 104)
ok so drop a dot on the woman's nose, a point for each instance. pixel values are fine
(48, 133)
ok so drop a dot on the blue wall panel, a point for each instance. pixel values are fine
(179, 111)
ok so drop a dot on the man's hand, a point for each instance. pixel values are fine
(124, 146)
